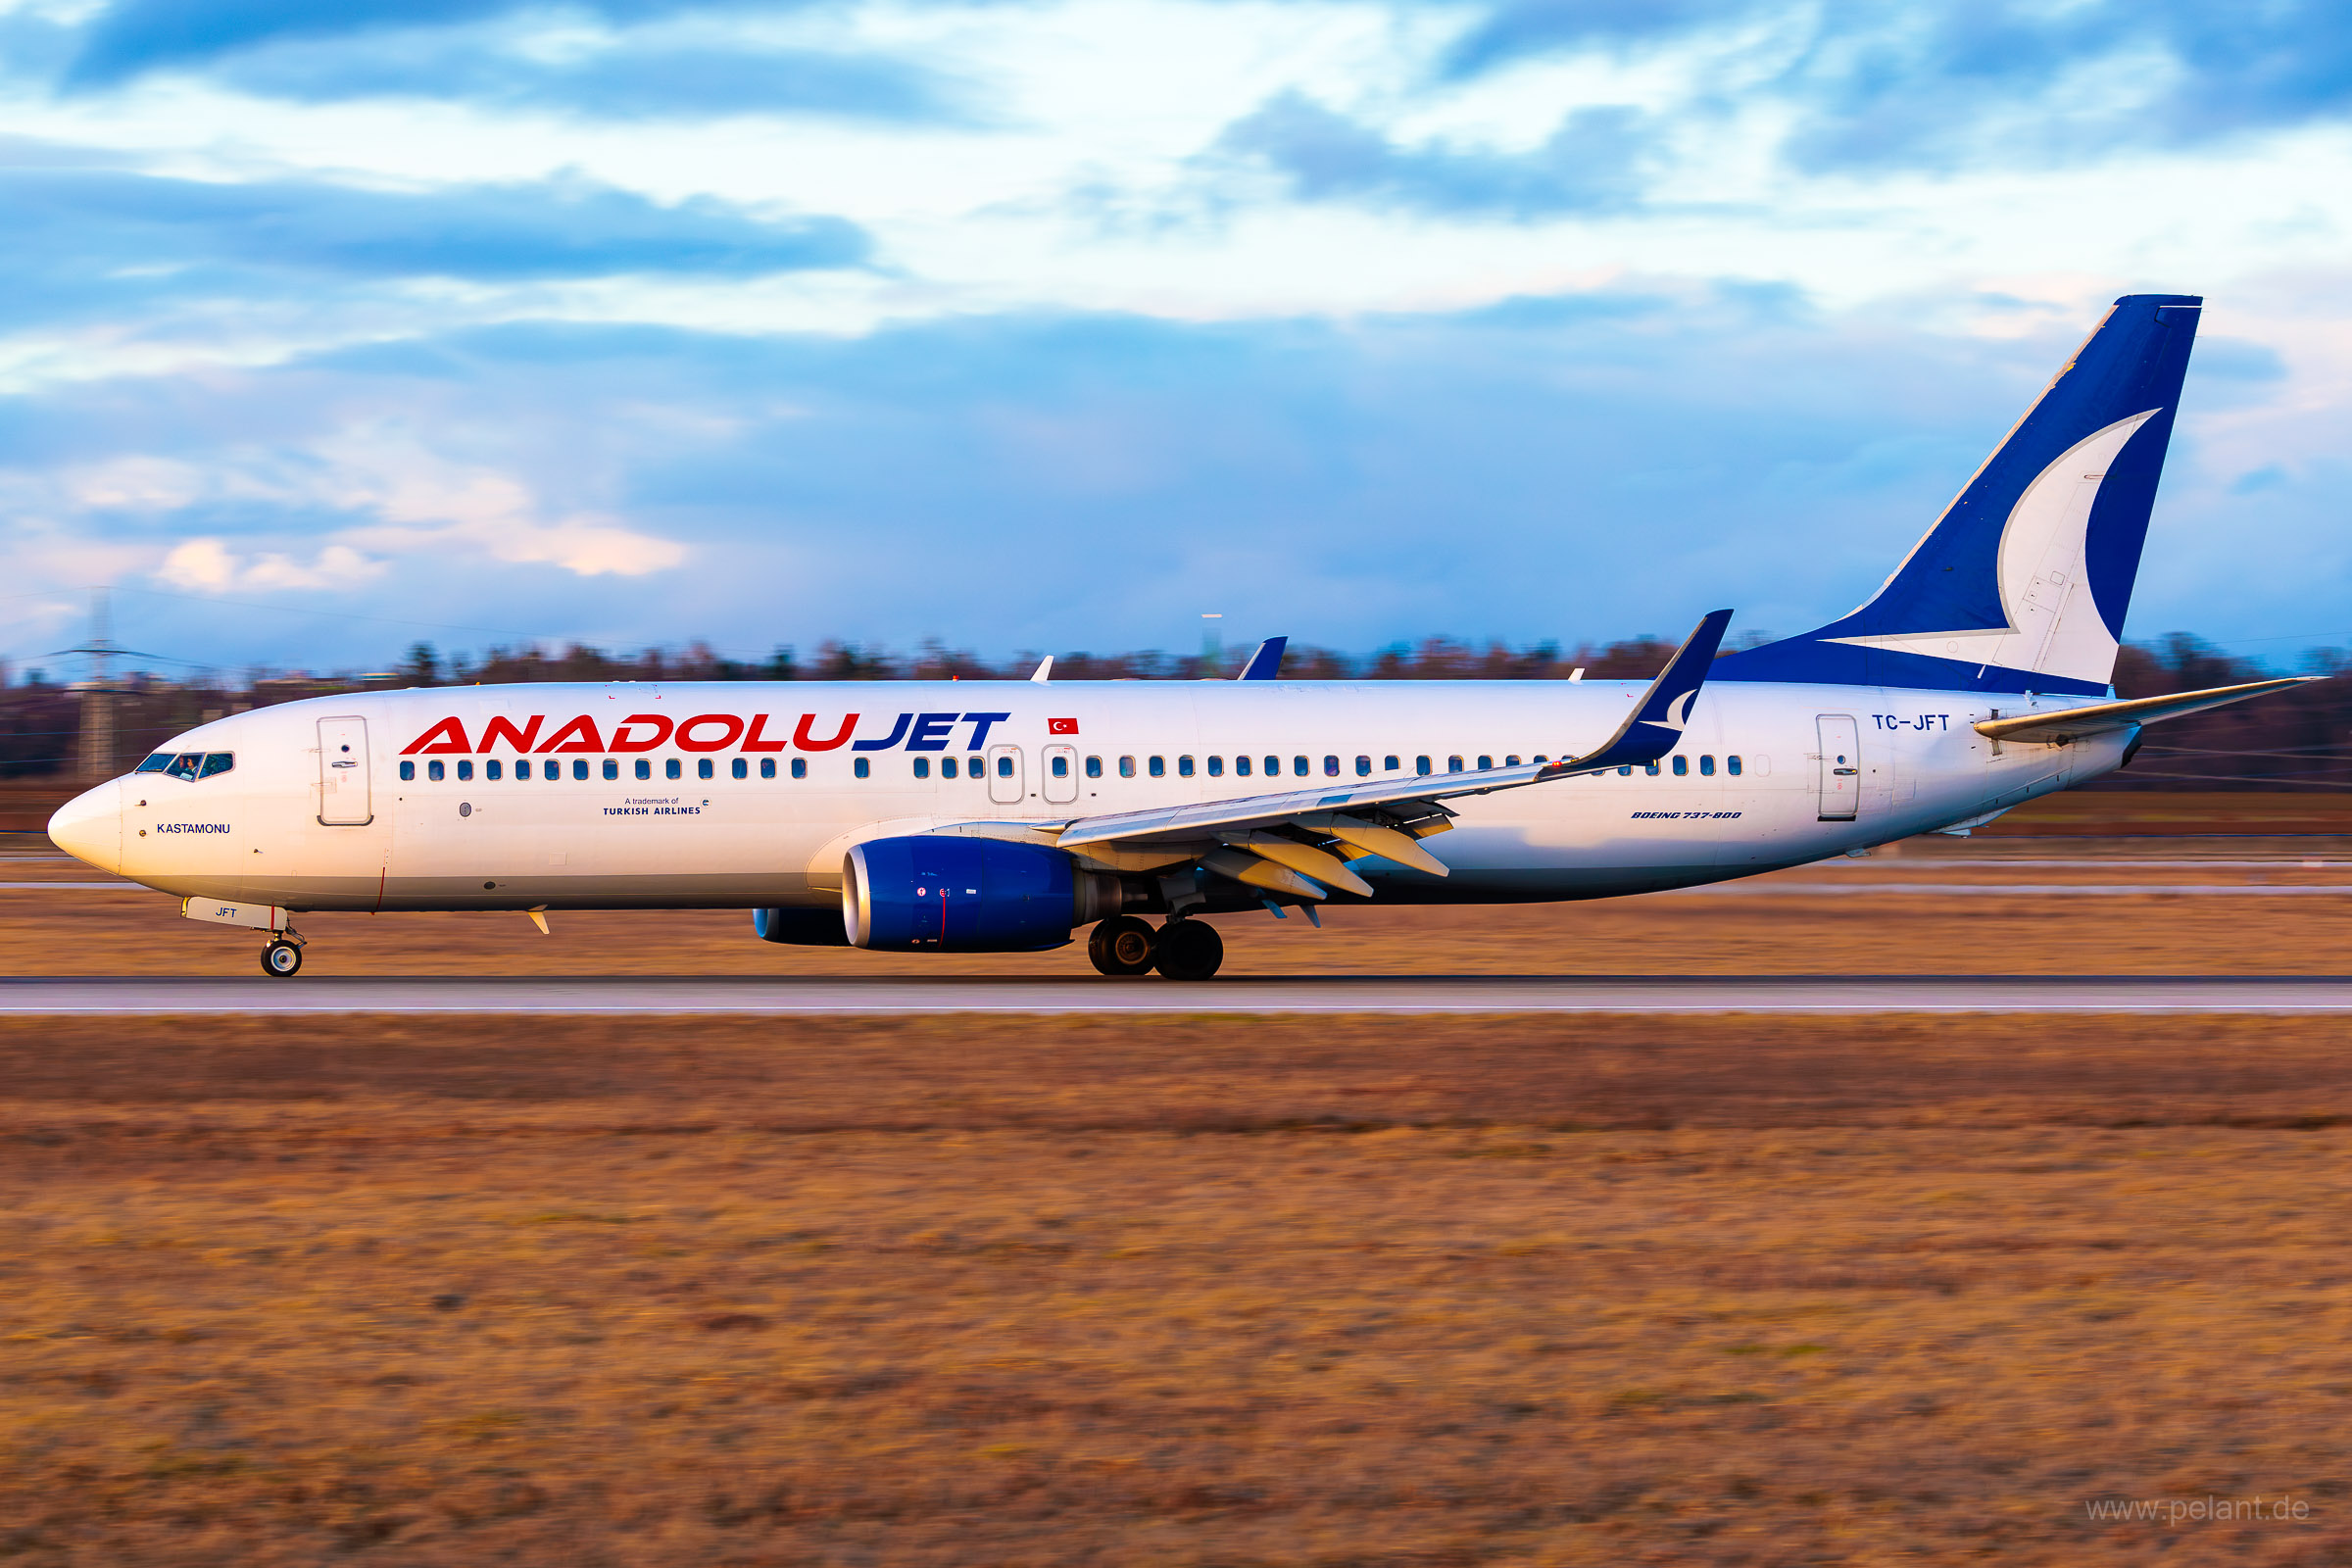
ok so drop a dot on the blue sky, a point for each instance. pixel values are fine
(1053, 325)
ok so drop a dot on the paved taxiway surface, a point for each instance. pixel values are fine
(175, 995)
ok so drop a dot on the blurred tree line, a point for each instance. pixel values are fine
(2300, 739)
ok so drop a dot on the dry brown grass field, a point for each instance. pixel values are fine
(1341, 1291)
(1350, 1291)
(1749, 929)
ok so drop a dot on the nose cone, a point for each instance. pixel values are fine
(89, 826)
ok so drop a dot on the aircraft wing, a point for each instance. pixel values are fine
(2075, 723)
(1384, 816)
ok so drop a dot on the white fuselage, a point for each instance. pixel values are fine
(298, 822)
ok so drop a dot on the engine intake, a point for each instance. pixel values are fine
(936, 893)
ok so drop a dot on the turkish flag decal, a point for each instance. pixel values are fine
(1062, 726)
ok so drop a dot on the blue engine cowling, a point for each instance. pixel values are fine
(943, 894)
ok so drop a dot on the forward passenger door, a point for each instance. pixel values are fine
(345, 797)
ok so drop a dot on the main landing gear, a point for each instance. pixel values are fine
(1121, 946)
(1181, 950)
(282, 959)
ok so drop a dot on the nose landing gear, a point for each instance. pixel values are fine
(282, 959)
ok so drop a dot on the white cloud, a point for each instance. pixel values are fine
(209, 566)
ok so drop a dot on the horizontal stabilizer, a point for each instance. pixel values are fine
(2074, 723)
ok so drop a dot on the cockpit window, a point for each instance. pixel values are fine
(189, 766)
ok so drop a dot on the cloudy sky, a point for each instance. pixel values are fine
(1055, 324)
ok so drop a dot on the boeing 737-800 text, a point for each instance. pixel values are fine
(1003, 816)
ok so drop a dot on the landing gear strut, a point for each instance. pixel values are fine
(282, 959)
(1121, 946)
(1189, 950)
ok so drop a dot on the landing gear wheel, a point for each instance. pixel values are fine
(1121, 946)
(280, 959)
(1189, 950)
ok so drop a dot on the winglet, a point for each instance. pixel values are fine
(1655, 726)
(1266, 662)
(1045, 671)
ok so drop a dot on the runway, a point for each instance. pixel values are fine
(215, 996)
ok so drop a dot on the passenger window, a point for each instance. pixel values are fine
(1627, 771)
(644, 768)
(1422, 767)
(671, 769)
(1157, 768)
(612, 769)
(466, 770)
(1216, 768)
(741, 768)
(1298, 766)
(1093, 767)
(923, 768)
(522, 767)
(492, 769)
(1539, 757)
(1706, 767)
(1241, 767)
(1003, 767)
(187, 765)
(408, 771)
(863, 768)
(767, 768)
(1388, 765)
(703, 769)
(434, 771)
(1453, 765)
(800, 767)
(1184, 768)
(1511, 760)
(1126, 767)
(218, 763)
(1652, 769)
(1062, 766)
(1273, 767)
(1681, 764)
(1485, 763)
(1730, 766)
(579, 769)
(1364, 768)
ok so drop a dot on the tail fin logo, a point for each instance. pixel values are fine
(2052, 625)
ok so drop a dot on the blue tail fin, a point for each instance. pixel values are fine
(1266, 662)
(2023, 582)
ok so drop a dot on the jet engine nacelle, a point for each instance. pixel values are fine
(800, 928)
(944, 894)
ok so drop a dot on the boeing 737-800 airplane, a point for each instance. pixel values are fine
(1003, 816)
